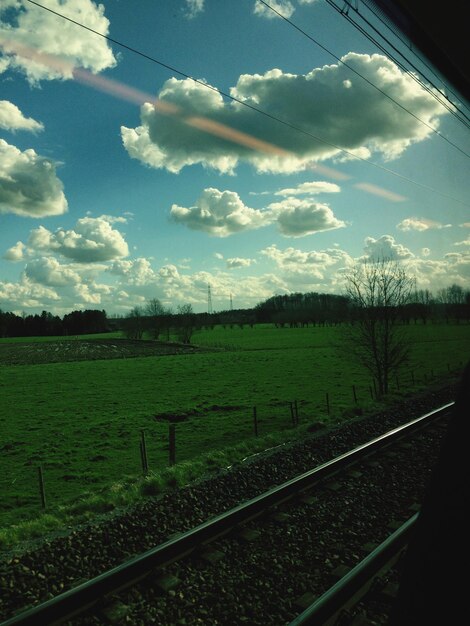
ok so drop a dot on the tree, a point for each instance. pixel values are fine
(134, 324)
(155, 311)
(185, 320)
(378, 291)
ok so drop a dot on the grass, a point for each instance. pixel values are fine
(82, 421)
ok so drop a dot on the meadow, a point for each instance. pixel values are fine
(82, 421)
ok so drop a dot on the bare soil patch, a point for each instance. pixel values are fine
(32, 353)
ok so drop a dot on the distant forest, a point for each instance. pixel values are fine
(295, 309)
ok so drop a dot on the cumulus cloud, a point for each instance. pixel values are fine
(464, 242)
(298, 218)
(309, 268)
(284, 7)
(420, 224)
(28, 184)
(309, 188)
(135, 272)
(48, 271)
(222, 213)
(92, 240)
(11, 118)
(193, 8)
(236, 262)
(27, 295)
(385, 247)
(206, 130)
(16, 252)
(29, 35)
(219, 213)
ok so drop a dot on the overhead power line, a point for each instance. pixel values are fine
(246, 104)
(437, 94)
(303, 32)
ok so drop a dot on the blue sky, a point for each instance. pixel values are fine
(123, 180)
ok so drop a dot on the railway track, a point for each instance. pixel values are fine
(264, 560)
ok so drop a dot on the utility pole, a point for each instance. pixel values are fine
(209, 300)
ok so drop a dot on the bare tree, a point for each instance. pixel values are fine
(185, 322)
(134, 324)
(155, 311)
(378, 290)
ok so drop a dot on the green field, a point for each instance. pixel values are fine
(82, 421)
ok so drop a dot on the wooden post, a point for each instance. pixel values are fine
(354, 393)
(42, 490)
(255, 421)
(172, 442)
(328, 404)
(371, 392)
(375, 388)
(292, 414)
(143, 453)
(397, 382)
(296, 412)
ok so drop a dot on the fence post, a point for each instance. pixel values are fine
(327, 403)
(292, 414)
(296, 412)
(172, 442)
(354, 393)
(143, 453)
(42, 490)
(255, 421)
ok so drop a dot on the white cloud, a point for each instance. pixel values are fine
(284, 7)
(298, 218)
(16, 252)
(48, 271)
(193, 8)
(208, 131)
(92, 240)
(385, 247)
(220, 213)
(235, 262)
(134, 272)
(28, 184)
(420, 224)
(313, 270)
(27, 295)
(11, 118)
(31, 32)
(310, 188)
(465, 242)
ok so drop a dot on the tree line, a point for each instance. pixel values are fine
(47, 325)
(155, 321)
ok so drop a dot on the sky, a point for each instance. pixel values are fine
(165, 148)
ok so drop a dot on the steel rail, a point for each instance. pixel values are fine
(355, 583)
(84, 596)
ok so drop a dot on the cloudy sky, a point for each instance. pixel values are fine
(154, 148)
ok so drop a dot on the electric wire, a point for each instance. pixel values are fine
(450, 106)
(372, 7)
(291, 23)
(246, 104)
